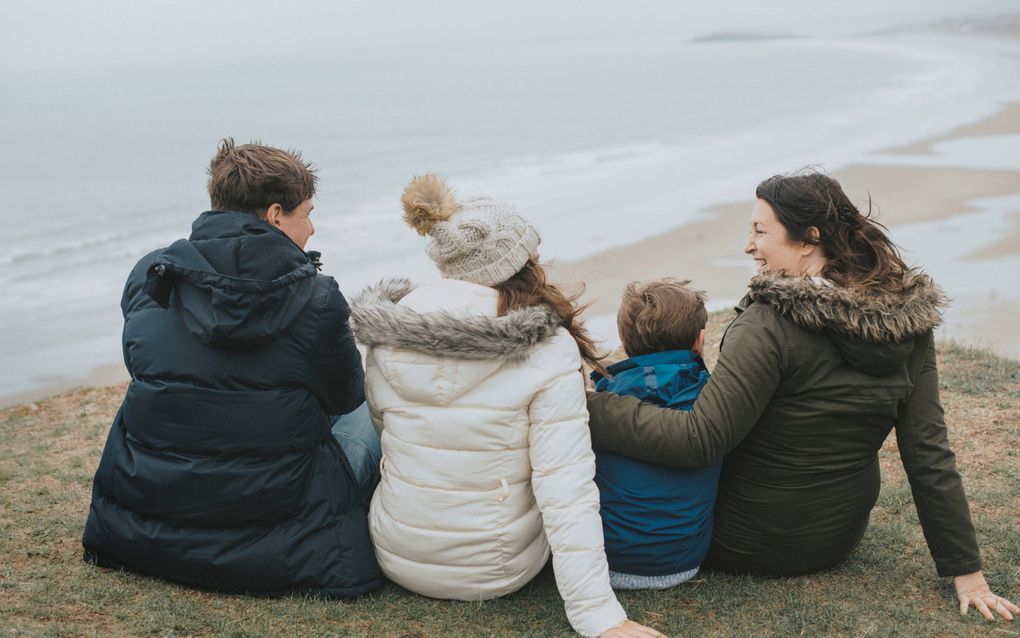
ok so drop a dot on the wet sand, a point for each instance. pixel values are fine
(710, 252)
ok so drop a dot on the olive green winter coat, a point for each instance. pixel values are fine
(810, 380)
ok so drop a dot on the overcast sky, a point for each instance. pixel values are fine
(73, 34)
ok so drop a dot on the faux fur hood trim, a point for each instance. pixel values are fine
(874, 318)
(377, 320)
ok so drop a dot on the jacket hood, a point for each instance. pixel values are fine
(672, 378)
(435, 357)
(377, 320)
(239, 281)
(873, 331)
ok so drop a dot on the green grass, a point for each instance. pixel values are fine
(887, 588)
(975, 371)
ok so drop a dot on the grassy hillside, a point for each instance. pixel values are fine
(888, 588)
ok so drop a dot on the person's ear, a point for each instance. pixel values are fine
(814, 235)
(273, 215)
(699, 343)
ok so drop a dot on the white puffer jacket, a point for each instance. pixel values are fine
(487, 460)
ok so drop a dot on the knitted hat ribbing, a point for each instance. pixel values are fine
(477, 240)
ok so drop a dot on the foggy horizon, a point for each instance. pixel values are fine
(114, 34)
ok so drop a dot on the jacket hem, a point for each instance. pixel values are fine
(950, 570)
(325, 592)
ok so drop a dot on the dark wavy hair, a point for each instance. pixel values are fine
(858, 251)
(530, 287)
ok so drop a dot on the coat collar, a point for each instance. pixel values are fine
(652, 359)
(672, 378)
(854, 313)
(378, 320)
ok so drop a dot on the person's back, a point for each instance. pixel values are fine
(219, 470)
(474, 382)
(809, 468)
(454, 515)
(657, 521)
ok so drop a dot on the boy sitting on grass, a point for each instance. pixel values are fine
(657, 521)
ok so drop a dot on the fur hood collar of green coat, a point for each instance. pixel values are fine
(852, 313)
(874, 333)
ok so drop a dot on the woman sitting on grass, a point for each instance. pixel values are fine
(474, 383)
(832, 348)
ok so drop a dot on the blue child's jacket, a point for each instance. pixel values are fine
(656, 520)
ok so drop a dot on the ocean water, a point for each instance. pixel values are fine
(600, 143)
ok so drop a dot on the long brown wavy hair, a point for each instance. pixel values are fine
(531, 287)
(858, 251)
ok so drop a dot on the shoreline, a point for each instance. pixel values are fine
(100, 376)
(709, 251)
(904, 197)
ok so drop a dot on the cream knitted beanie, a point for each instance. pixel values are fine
(477, 240)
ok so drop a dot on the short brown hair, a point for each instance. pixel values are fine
(660, 315)
(251, 177)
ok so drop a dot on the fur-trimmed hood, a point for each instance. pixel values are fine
(378, 321)
(874, 332)
(470, 438)
(876, 318)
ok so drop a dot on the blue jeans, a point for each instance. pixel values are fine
(361, 445)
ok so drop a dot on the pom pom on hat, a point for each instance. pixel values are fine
(427, 200)
(478, 240)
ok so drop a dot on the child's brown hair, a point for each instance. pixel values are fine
(660, 315)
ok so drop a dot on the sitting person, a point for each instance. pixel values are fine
(220, 470)
(833, 348)
(474, 382)
(657, 520)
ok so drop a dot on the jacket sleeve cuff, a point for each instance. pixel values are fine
(958, 568)
(595, 620)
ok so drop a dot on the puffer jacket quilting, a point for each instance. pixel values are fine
(220, 470)
(487, 461)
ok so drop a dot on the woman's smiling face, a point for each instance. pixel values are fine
(770, 245)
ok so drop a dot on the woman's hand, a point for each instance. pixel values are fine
(631, 629)
(972, 589)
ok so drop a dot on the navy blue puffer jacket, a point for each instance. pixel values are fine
(220, 470)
